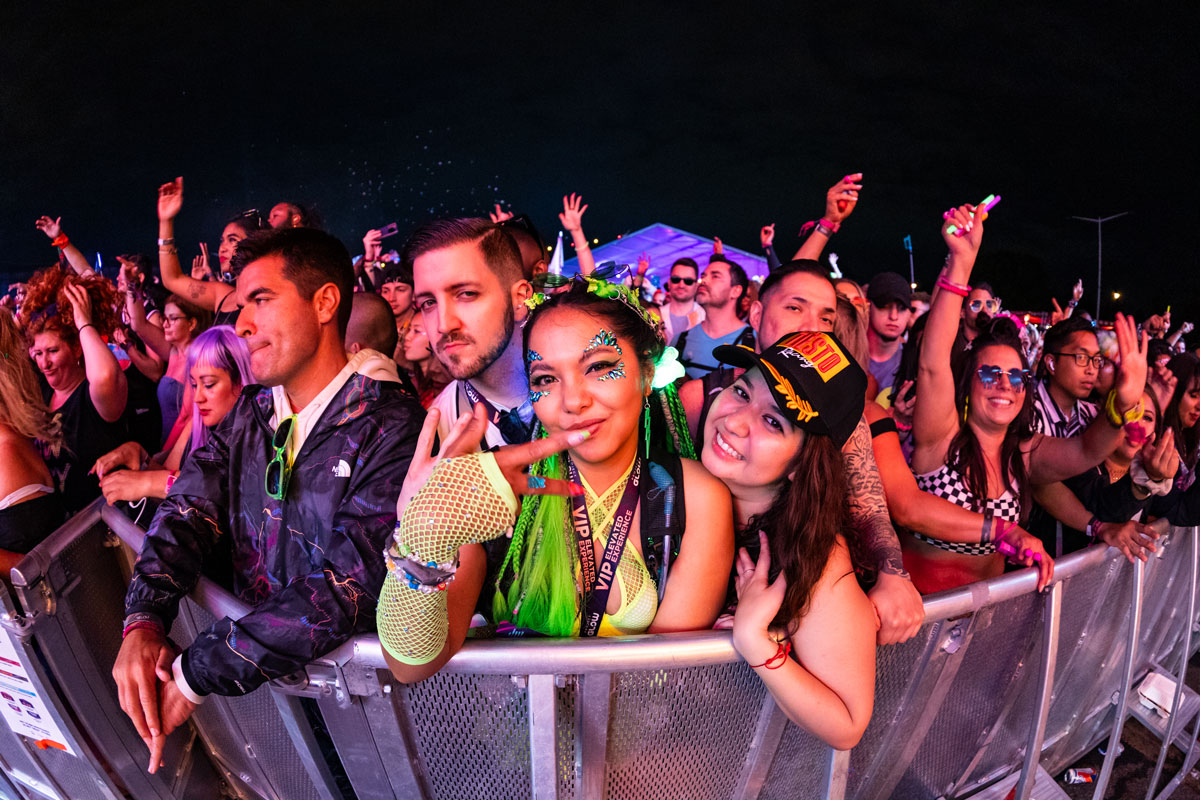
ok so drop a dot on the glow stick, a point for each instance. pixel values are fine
(987, 205)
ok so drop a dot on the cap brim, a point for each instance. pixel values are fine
(736, 355)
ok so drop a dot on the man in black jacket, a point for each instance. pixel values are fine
(302, 477)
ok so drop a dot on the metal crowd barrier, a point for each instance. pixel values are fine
(1001, 683)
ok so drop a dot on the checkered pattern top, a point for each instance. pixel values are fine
(947, 484)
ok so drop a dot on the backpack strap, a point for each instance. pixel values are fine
(746, 337)
(663, 514)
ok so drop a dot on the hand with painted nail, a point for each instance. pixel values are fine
(962, 218)
(514, 461)
(1021, 547)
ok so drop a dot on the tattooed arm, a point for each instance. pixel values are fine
(205, 294)
(896, 601)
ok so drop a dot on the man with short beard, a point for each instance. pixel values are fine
(889, 307)
(471, 292)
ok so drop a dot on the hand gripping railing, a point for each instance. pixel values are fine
(999, 680)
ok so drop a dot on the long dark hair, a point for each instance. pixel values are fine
(803, 524)
(1186, 368)
(964, 454)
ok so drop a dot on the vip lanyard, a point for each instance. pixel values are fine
(497, 417)
(598, 583)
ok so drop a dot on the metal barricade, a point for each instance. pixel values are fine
(999, 680)
(66, 639)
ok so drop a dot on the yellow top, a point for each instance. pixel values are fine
(639, 600)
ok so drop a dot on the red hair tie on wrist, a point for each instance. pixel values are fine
(776, 661)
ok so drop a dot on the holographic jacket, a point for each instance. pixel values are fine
(311, 564)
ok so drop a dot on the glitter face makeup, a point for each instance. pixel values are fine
(532, 355)
(535, 396)
(603, 339)
(616, 372)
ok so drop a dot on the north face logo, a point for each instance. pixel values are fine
(342, 470)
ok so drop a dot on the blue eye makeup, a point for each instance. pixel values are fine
(538, 395)
(616, 372)
(603, 339)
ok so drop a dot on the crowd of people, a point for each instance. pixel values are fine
(449, 441)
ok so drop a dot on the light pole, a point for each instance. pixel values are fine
(1099, 250)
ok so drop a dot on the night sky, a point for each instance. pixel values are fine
(711, 121)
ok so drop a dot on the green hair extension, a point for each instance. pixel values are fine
(543, 595)
(680, 436)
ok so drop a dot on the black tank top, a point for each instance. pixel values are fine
(86, 437)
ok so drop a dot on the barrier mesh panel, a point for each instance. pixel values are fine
(976, 698)
(801, 758)
(681, 733)
(896, 667)
(12, 750)
(96, 603)
(78, 782)
(564, 698)
(1081, 692)
(472, 733)
(259, 727)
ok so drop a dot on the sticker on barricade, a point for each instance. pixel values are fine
(23, 709)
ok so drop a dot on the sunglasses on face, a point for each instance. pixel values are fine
(684, 281)
(279, 471)
(990, 374)
(1082, 359)
(990, 305)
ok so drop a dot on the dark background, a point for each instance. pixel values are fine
(713, 119)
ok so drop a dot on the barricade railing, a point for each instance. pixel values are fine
(1000, 680)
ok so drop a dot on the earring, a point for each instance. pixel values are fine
(646, 423)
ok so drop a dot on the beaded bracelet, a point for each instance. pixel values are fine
(426, 577)
(776, 661)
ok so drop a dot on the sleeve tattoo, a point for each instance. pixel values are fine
(868, 504)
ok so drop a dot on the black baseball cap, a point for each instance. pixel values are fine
(888, 287)
(817, 384)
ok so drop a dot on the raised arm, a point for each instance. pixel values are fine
(205, 294)
(766, 237)
(152, 335)
(106, 381)
(571, 219)
(1053, 459)
(935, 418)
(840, 201)
(53, 229)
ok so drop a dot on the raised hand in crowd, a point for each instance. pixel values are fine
(211, 295)
(1162, 382)
(767, 235)
(571, 218)
(840, 202)
(53, 230)
(718, 246)
(639, 276)
(1156, 326)
(372, 245)
(499, 215)
(1160, 457)
(201, 271)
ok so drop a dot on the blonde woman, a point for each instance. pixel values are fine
(29, 509)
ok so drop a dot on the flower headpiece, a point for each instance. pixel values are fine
(623, 294)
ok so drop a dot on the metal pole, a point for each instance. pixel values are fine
(1052, 614)
(1176, 703)
(1099, 250)
(1131, 643)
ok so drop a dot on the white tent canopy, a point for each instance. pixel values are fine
(664, 245)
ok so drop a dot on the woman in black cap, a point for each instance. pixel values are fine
(774, 438)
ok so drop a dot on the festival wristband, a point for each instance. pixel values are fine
(776, 661)
(61, 241)
(953, 288)
(986, 535)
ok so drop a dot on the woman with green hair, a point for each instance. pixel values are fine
(622, 533)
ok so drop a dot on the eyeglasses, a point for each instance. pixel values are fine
(990, 374)
(1082, 359)
(990, 305)
(279, 469)
(681, 279)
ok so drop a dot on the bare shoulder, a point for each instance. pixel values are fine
(700, 481)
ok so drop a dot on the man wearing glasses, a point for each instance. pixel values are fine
(682, 311)
(979, 309)
(1069, 369)
(301, 479)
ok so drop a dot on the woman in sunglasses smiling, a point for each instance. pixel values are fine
(974, 443)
